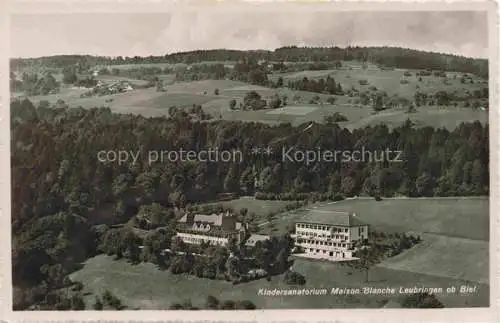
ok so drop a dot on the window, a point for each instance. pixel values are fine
(346, 230)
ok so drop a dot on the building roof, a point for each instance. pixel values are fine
(254, 238)
(346, 219)
(215, 220)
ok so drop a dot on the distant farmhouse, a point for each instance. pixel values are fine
(330, 235)
(216, 229)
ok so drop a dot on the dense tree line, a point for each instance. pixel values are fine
(421, 300)
(327, 85)
(62, 195)
(468, 99)
(198, 72)
(455, 162)
(33, 84)
(213, 303)
(385, 56)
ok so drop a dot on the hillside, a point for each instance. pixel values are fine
(385, 56)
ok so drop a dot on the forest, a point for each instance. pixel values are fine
(64, 198)
(384, 56)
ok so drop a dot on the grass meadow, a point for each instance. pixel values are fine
(454, 252)
(454, 217)
(148, 102)
(259, 207)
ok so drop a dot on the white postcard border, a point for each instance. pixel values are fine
(490, 314)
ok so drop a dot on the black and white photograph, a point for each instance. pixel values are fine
(267, 159)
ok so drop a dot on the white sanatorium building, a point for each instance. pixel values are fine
(216, 229)
(330, 234)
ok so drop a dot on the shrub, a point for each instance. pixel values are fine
(77, 303)
(421, 300)
(77, 287)
(275, 102)
(294, 278)
(245, 305)
(98, 306)
(336, 117)
(228, 305)
(44, 104)
(232, 104)
(212, 302)
(331, 100)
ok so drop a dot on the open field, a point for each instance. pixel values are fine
(209, 86)
(386, 80)
(146, 287)
(113, 78)
(455, 217)
(444, 257)
(163, 65)
(437, 117)
(454, 252)
(455, 232)
(148, 102)
(260, 207)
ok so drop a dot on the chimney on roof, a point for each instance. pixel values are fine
(189, 218)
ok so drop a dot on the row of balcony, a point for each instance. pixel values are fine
(326, 244)
(323, 237)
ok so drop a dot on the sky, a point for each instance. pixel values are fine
(143, 34)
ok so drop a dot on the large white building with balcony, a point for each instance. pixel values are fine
(330, 235)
